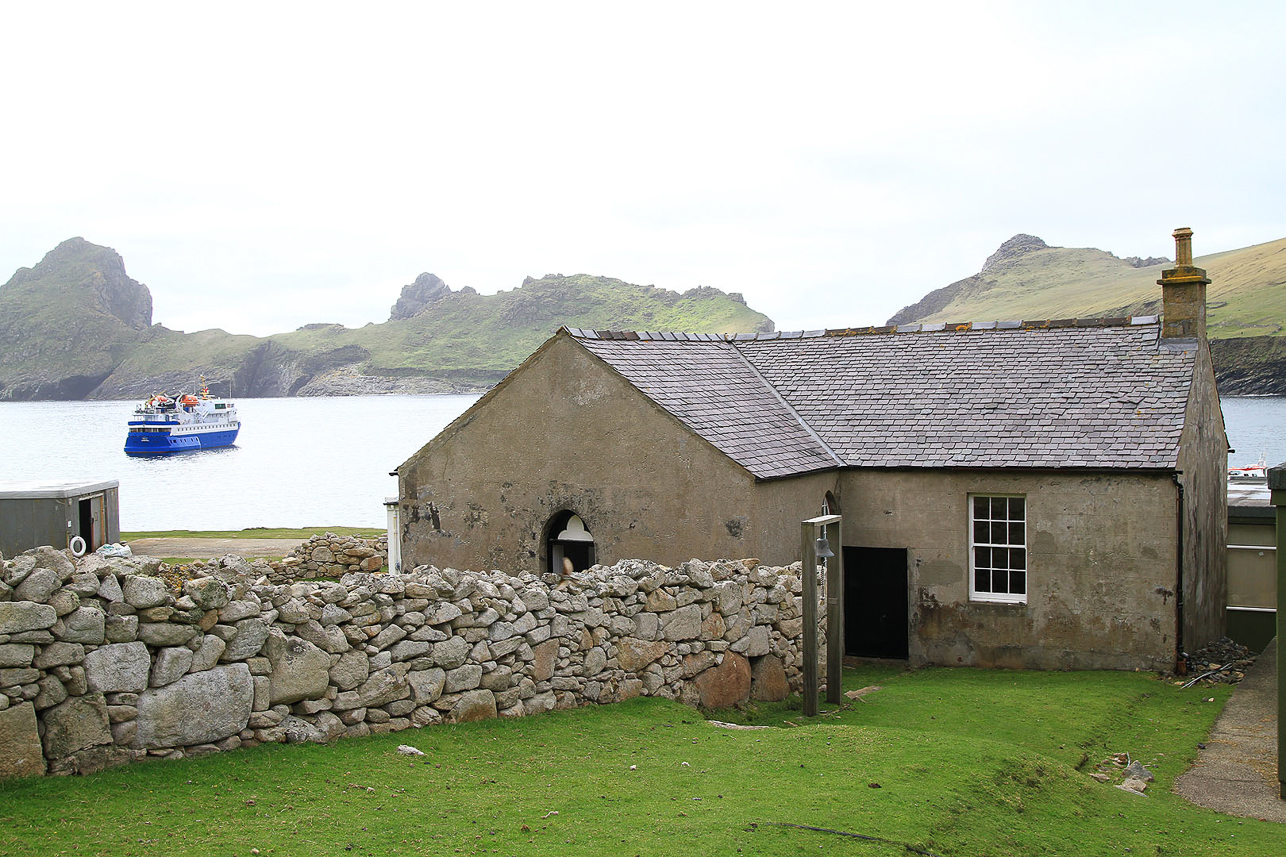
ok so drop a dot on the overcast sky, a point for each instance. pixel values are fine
(261, 166)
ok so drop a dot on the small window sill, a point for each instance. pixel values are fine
(999, 602)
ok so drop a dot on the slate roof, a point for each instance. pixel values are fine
(716, 392)
(1098, 394)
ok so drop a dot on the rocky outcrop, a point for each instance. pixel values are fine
(101, 272)
(427, 289)
(1250, 366)
(1148, 262)
(1018, 246)
(107, 662)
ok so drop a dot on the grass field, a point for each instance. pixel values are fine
(939, 761)
(300, 533)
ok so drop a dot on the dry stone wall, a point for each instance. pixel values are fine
(102, 662)
(329, 555)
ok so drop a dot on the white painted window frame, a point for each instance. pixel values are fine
(998, 597)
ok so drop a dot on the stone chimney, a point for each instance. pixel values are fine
(1183, 293)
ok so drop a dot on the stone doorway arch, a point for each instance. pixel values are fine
(569, 546)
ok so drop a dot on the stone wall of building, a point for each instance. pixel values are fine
(102, 662)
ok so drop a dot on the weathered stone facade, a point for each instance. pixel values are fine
(1101, 587)
(673, 445)
(102, 663)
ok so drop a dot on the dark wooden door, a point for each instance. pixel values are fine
(875, 602)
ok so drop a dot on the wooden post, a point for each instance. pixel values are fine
(808, 570)
(835, 616)
(1277, 486)
(834, 612)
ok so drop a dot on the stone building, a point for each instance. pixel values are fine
(1015, 494)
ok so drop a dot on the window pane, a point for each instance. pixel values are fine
(999, 581)
(982, 507)
(1018, 558)
(1018, 582)
(981, 532)
(1017, 509)
(982, 558)
(1018, 533)
(982, 580)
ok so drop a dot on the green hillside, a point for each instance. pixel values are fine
(1027, 280)
(59, 337)
(465, 332)
(1247, 295)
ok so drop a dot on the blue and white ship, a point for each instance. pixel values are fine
(162, 425)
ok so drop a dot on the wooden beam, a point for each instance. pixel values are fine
(1277, 487)
(835, 616)
(808, 569)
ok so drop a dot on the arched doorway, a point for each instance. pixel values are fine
(568, 541)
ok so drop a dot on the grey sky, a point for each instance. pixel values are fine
(264, 165)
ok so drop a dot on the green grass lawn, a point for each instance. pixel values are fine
(949, 762)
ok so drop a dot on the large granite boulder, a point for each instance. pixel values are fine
(118, 668)
(20, 751)
(76, 724)
(300, 670)
(725, 685)
(19, 616)
(199, 708)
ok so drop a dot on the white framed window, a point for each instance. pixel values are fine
(998, 548)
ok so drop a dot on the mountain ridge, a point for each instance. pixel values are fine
(1246, 300)
(76, 326)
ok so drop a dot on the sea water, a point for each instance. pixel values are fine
(312, 462)
(298, 462)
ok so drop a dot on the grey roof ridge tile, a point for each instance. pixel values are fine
(839, 462)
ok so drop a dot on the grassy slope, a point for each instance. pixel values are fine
(466, 335)
(968, 762)
(467, 331)
(1246, 298)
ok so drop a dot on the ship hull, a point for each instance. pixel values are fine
(167, 443)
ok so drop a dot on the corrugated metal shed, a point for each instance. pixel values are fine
(56, 513)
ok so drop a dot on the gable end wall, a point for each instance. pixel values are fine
(565, 432)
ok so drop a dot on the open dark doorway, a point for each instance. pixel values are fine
(568, 543)
(875, 603)
(87, 521)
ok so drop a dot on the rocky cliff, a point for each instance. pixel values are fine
(76, 326)
(68, 321)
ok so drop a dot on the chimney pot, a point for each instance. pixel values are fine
(1183, 293)
(1182, 246)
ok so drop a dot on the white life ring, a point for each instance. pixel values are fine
(77, 545)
